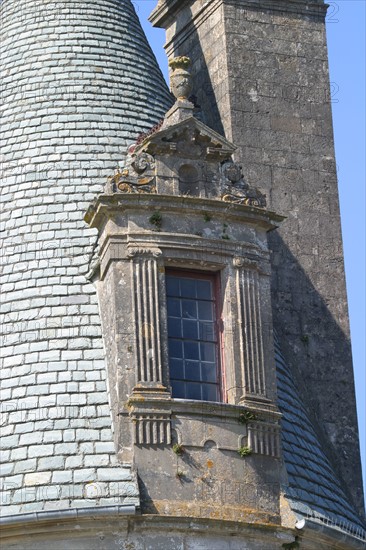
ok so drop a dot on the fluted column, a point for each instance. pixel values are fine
(251, 329)
(146, 310)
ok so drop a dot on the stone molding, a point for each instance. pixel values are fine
(121, 524)
(167, 10)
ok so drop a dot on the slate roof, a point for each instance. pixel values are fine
(313, 489)
(142, 85)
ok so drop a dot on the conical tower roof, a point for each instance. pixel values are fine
(80, 83)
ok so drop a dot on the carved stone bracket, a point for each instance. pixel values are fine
(151, 429)
(264, 439)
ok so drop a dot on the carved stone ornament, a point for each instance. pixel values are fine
(152, 429)
(239, 261)
(140, 251)
(236, 190)
(181, 79)
(137, 176)
(262, 267)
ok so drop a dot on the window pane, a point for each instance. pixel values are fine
(174, 327)
(175, 348)
(205, 311)
(207, 332)
(190, 330)
(173, 307)
(176, 369)
(178, 389)
(192, 370)
(193, 391)
(209, 392)
(208, 352)
(204, 290)
(209, 372)
(191, 350)
(189, 309)
(172, 286)
(188, 288)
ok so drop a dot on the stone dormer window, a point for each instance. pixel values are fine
(184, 293)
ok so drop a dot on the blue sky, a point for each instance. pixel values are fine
(346, 44)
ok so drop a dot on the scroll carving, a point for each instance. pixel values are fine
(135, 251)
(236, 190)
(138, 176)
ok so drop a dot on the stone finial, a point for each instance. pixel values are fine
(181, 85)
(181, 78)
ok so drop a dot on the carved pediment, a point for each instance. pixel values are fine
(189, 139)
(183, 156)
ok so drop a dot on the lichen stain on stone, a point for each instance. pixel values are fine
(210, 464)
(253, 94)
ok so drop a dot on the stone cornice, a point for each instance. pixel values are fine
(315, 8)
(167, 10)
(106, 204)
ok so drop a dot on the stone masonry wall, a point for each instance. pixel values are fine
(276, 107)
(79, 84)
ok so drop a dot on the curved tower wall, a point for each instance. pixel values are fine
(79, 84)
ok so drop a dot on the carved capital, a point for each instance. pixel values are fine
(239, 261)
(136, 251)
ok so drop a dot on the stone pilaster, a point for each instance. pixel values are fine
(251, 344)
(146, 310)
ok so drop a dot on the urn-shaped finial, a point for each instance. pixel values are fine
(180, 79)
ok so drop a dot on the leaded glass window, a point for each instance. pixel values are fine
(193, 336)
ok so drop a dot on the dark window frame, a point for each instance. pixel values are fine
(214, 278)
